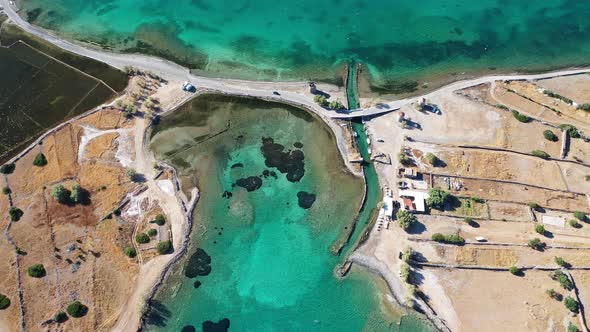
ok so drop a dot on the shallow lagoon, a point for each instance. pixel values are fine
(271, 266)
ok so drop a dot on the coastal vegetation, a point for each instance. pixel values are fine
(164, 247)
(4, 302)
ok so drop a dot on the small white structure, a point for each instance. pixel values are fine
(554, 221)
(388, 206)
(414, 200)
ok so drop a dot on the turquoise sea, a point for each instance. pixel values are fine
(258, 258)
(400, 41)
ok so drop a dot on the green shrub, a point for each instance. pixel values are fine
(142, 238)
(540, 229)
(152, 232)
(77, 309)
(76, 194)
(408, 255)
(405, 272)
(561, 262)
(540, 154)
(7, 168)
(553, 294)
(406, 219)
(575, 223)
(336, 105)
(4, 302)
(449, 239)
(321, 100)
(584, 107)
(550, 136)
(468, 220)
(60, 317)
(61, 194)
(571, 304)
(131, 174)
(572, 328)
(40, 160)
(432, 159)
(15, 213)
(572, 131)
(537, 244)
(587, 177)
(563, 279)
(514, 270)
(534, 206)
(36, 271)
(404, 159)
(521, 117)
(117, 212)
(438, 198)
(164, 247)
(160, 220)
(130, 252)
(6, 191)
(580, 215)
(558, 96)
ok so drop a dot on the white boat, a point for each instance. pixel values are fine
(368, 141)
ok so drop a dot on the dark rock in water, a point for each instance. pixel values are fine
(188, 328)
(298, 145)
(289, 162)
(237, 165)
(197, 284)
(227, 194)
(274, 174)
(265, 173)
(251, 183)
(199, 264)
(305, 199)
(221, 326)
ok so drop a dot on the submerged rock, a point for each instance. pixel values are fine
(305, 199)
(237, 165)
(298, 145)
(289, 162)
(188, 328)
(221, 326)
(199, 264)
(197, 284)
(227, 194)
(251, 183)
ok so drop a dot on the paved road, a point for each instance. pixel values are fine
(172, 71)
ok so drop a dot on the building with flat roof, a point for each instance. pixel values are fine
(413, 200)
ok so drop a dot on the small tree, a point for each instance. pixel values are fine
(152, 232)
(575, 223)
(553, 294)
(60, 193)
(580, 215)
(432, 159)
(36, 271)
(40, 160)
(541, 154)
(6, 191)
(540, 229)
(321, 100)
(561, 262)
(142, 238)
(130, 252)
(438, 198)
(550, 136)
(469, 221)
(60, 317)
(404, 159)
(164, 247)
(131, 174)
(15, 213)
(406, 219)
(534, 206)
(408, 255)
(336, 105)
(537, 244)
(7, 168)
(4, 302)
(160, 220)
(405, 272)
(572, 328)
(76, 194)
(76, 309)
(563, 279)
(514, 270)
(521, 117)
(571, 304)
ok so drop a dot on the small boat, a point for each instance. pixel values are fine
(369, 151)
(368, 141)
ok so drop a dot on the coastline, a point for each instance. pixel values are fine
(182, 202)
